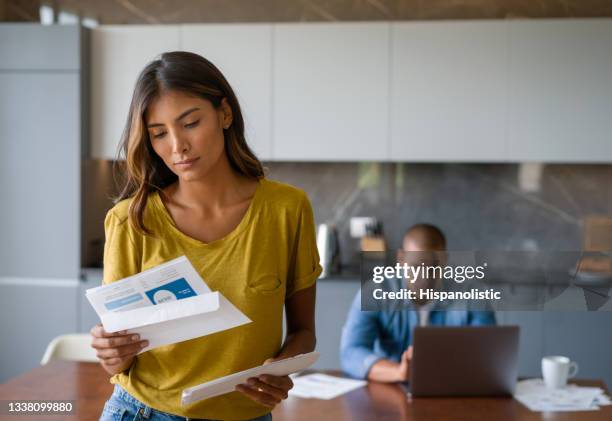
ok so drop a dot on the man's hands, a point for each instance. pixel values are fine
(116, 351)
(389, 371)
(266, 389)
(403, 369)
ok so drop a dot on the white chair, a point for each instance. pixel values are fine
(72, 347)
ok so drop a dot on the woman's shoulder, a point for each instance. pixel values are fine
(284, 194)
(119, 213)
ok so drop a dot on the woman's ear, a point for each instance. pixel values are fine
(227, 113)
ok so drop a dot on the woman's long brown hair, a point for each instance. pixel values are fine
(144, 171)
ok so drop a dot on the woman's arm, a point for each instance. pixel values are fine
(300, 308)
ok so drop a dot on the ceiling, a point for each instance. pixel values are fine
(191, 11)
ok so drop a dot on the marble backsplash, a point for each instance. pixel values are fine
(526, 207)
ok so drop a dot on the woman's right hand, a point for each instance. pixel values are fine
(116, 351)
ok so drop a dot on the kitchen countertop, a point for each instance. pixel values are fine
(96, 273)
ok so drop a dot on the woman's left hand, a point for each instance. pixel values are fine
(266, 389)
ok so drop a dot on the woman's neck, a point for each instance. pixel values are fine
(221, 187)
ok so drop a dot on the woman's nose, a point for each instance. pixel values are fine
(179, 144)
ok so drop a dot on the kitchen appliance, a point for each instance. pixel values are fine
(373, 240)
(329, 249)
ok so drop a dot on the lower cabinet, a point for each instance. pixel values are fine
(34, 311)
(531, 345)
(334, 298)
(583, 336)
(87, 316)
(38, 310)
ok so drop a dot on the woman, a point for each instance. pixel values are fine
(193, 187)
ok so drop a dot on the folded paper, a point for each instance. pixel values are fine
(227, 384)
(166, 304)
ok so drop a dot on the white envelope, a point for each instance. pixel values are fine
(227, 384)
(177, 321)
(171, 321)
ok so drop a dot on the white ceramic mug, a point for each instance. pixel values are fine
(556, 370)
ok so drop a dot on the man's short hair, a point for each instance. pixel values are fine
(427, 236)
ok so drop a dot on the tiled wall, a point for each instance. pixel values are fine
(478, 206)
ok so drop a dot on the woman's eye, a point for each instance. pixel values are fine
(190, 125)
(159, 135)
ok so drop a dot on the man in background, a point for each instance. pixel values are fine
(377, 345)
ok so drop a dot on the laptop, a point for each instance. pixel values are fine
(464, 361)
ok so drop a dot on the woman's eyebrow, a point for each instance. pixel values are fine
(183, 114)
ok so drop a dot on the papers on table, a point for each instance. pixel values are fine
(166, 304)
(323, 386)
(534, 395)
(227, 384)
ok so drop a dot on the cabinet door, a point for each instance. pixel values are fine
(34, 311)
(88, 317)
(243, 54)
(560, 90)
(448, 91)
(334, 299)
(583, 336)
(28, 46)
(330, 91)
(118, 55)
(531, 339)
(40, 152)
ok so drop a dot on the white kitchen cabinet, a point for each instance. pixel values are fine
(560, 85)
(584, 336)
(330, 91)
(334, 299)
(469, 91)
(39, 47)
(33, 312)
(40, 143)
(243, 54)
(118, 55)
(448, 91)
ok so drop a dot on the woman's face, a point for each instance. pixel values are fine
(187, 133)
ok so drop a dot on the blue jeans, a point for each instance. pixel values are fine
(122, 406)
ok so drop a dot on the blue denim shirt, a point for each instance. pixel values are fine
(369, 336)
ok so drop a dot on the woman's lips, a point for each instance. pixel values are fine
(186, 163)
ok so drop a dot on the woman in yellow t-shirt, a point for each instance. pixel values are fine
(193, 187)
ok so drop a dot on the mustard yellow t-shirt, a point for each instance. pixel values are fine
(270, 255)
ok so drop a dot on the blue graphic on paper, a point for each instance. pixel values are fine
(112, 305)
(175, 290)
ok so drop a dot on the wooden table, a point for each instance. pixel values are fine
(87, 384)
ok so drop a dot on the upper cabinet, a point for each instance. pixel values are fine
(32, 47)
(462, 91)
(243, 54)
(41, 126)
(118, 55)
(560, 84)
(330, 91)
(448, 91)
